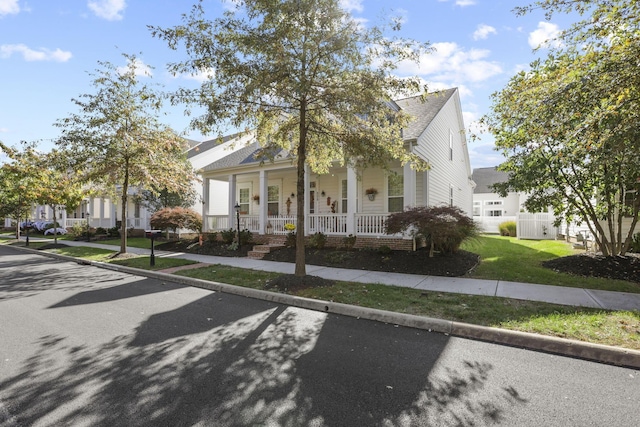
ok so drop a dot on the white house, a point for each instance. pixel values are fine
(489, 208)
(337, 203)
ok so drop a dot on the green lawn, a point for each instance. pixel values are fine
(134, 242)
(510, 259)
(617, 328)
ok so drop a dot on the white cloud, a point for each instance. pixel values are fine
(461, 3)
(9, 7)
(6, 50)
(111, 10)
(545, 35)
(483, 31)
(352, 5)
(201, 76)
(450, 63)
(141, 69)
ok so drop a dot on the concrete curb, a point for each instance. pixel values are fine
(565, 347)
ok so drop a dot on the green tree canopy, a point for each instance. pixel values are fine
(116, 141)
(569, 125)
(306, 76)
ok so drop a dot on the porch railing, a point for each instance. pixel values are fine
(370, 224)
(330, 224)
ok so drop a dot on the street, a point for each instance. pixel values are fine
(84, 346)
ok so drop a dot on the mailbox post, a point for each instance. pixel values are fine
(152, 234)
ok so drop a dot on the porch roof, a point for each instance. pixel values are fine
(244, 156)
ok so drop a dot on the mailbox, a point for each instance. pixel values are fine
(152, 234)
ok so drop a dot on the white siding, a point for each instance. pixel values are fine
(433, 145)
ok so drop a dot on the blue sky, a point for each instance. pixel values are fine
(48, 48)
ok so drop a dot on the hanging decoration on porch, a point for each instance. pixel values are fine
(256, 198)
(328, 201)
(288, 203)
(371, 193)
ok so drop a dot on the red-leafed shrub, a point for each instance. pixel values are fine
(443, 228)
(176, 218)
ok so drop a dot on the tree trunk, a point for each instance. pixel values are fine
(301, 269)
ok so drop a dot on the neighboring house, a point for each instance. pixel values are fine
(489, 208)
(337, 203)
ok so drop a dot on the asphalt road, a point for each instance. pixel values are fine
(84, 346)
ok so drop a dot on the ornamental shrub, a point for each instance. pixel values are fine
(443, 228)
(176, 218)
(507, 228)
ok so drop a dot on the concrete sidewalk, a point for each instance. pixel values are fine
(498, 288)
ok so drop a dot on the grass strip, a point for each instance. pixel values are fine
(616, 328)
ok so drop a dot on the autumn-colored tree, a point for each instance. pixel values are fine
(569, 125)
(307, 76)
(176, 218)
(18, 180)
(443, 228)
(116, 142)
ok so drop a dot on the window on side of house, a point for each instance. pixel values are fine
(395, 192)
(343, 196)
(493, 213)
(451, 195)
(273, 200)
(450, 146)
(629, 200)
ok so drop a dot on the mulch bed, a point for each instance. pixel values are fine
(411, 262)
(595, 265)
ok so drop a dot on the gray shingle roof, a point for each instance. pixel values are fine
(484, 177)
(423, 112)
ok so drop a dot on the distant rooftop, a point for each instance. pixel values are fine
(485, 177)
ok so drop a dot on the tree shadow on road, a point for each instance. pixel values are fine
(232, 361)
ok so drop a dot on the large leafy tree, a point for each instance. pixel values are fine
(115, 141)
(306, 76)
(569, 125)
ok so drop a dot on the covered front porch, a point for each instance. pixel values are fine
(342, 202)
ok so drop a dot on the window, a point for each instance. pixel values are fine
(395, 192)
(494, 213)
(243, 200)
(273, 200)
(450, 145)
(451, 195)
(343, 196)
(493, 203)
(476, 208)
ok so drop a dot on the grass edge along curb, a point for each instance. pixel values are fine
(554, 345)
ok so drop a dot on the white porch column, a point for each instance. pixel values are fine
(205, 204)
(409, 177)
(352, 199)
(232, 200)
(307, 201)
(263, 191)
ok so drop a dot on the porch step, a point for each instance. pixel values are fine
(259, 251)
